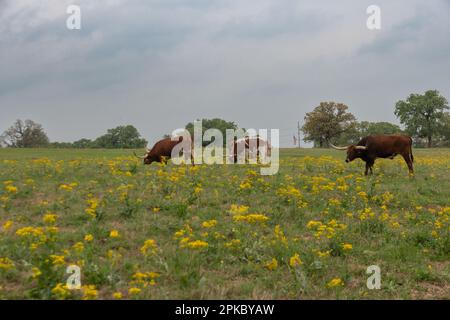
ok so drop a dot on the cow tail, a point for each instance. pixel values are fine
(410, 151)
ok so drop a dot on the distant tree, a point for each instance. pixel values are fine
(125, 137)
(328, 121)
(60, 145)
(422, 114)
(444, 130)
(28, 134)
(216, 123)
(366, 128)
(82, 144)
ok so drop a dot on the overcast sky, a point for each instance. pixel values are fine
(261, 63)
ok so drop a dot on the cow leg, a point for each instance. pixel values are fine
(369, 165)
(408, 161)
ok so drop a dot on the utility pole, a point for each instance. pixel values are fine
(298, 133)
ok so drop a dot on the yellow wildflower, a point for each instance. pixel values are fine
(134, 291)
(149, 247)
(295, 261)
(209, 223)
(272, 264)
(117, 295)
(197, 244)
(335, 283)
(114, 234)
(61, 291)
(89, 292)
(57, 260)
(347, 246)
(49, 218)
(7, 225)
(6, 264)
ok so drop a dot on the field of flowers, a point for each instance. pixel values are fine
(222, 232)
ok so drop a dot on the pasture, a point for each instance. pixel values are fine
(224, 231)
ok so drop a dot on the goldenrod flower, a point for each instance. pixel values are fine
(149, 247)
(89, 292)
(272, 264)
(134, 291)
(117, 295)
(49, 218)
(197, 244)
(57, 260)
(209, 223)
(61, 291)
(295, 261)
(35, 272)
(347, 246)
(6, 264)
(335, 283)
(7, 225)
(11, 189)
(78, 247)
(251, 218)
(114, 234)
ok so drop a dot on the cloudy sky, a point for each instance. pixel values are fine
(158, 64)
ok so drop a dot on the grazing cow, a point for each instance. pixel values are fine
(250, 145)
(382, 146)
(161, 151)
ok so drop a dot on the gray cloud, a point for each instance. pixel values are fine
(261, 63)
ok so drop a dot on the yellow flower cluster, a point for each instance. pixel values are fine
(272, 264)
(89, 292)
(149, 247)
(6, 264)
(144, 279)
(61, 291)
(295, 261)
(209, 223)
(238, 209)
(251, 218)
(327, 230)
(336, 282)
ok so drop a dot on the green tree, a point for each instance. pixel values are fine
(215, 123)
(328, 121)
(125, 137)
(83, 144)
(422, 114)
(28, 134)
(366, 128)
(444, 130)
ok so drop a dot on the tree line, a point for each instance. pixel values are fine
(423, 116)
(28, 134)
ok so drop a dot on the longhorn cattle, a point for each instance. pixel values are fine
(161, 151)
(250, 145)
(381, 146)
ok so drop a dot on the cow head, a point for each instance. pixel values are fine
(353, 151)
(148, 158)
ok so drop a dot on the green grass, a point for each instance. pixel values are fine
(397, 222)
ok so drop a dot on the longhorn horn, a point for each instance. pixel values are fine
(361, 147)
(139, 157)
(338, 148)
